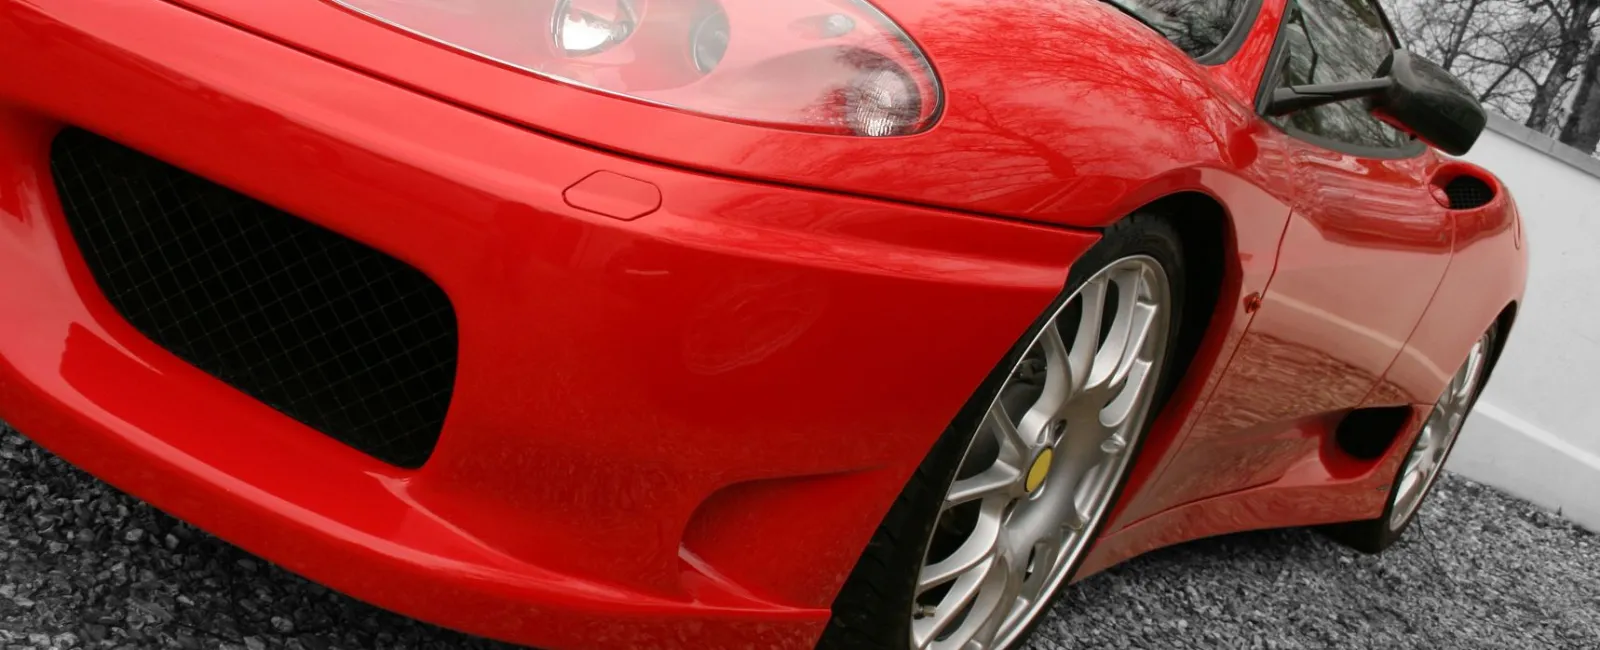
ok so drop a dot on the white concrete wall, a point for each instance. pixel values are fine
(1536, 431)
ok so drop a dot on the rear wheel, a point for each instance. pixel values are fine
(1425, 461)
(1005, 506)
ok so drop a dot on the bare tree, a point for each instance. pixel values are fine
(1574, 22)
(1508, 62)
(1536, 61)
(1503, 49)
(1582, 127)
(1443, 29)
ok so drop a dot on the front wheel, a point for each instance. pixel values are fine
(1003, 509)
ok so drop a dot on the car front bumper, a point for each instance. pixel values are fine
(677, 430)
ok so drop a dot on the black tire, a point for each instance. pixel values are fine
(1374, 535)
(872, 610)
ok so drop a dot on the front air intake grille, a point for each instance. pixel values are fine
(349, 341)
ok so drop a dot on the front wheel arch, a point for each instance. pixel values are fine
(1206, 234)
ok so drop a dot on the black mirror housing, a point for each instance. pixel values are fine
(1412, 94)
(1428, 102)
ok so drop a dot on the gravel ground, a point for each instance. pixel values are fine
(86, 566)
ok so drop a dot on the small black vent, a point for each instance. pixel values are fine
(1467, 192)
(349, 341)
(1366, 433)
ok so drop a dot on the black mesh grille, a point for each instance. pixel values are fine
(1467, 192)
(341, 337)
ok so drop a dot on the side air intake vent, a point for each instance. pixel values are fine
(1366, 433)
(1467, 191)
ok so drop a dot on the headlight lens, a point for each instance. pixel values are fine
(830, 66)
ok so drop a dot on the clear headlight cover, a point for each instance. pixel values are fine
(828, 66)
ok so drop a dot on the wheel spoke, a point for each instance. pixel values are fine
(1013, 446)
(1016, 573)
(1129, 328)
(1081, 450)
(1116, 414)
(1046, 553)
(1041, 417)
(1086, 343)
(1409, 482)
(1458, 388)
(1411, 458)
(1091, 498)
(1469, 375)
(925, 630)
(1457, 415)
(1140, 319)
(1037, 524)
(978, 548)
(1074, 521)
(1425, 439)
(1000, 479)
(1055, 353)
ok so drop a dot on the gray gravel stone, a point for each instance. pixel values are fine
(1479, 570)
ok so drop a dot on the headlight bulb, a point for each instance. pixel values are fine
(880, 102)
(585, 27)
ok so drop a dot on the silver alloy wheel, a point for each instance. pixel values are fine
(1438, 434)
(1047, 459)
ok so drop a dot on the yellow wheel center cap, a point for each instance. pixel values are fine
(1039, 470)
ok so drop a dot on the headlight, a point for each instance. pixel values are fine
(830, 66)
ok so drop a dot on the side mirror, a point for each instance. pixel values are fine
(1411, 93)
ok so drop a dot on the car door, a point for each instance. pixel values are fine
(1365, 248)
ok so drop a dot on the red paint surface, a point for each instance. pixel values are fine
(680, 430)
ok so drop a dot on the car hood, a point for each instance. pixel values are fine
(1059, 112)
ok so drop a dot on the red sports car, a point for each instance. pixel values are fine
(735, 323)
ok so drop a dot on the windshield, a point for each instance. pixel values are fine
(1195, 26)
